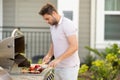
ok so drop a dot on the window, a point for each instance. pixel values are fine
(68, 14)
(107, 22)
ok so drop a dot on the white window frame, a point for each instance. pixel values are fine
(100, 22)
(71, 7)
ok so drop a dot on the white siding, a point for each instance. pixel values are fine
(1, 8)
(24, 12)
(1, 18)
(8, 12)
(84, 27)
(27, 13)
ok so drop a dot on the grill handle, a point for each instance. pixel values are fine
(16, 31)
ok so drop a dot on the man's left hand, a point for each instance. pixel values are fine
(54, 63)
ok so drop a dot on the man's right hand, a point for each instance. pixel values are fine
(46, 59)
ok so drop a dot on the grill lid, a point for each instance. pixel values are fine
(10, 49)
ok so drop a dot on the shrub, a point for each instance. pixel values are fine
(105, 68)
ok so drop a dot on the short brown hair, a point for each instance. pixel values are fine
(47, 9)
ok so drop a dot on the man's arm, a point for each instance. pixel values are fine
(73, 46)
(49, 55)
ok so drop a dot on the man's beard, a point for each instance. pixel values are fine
(54, 21)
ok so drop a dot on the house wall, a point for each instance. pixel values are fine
(9, 13)
(1, 18)
(27, 13)
(84, 27)
(1, 13)
(24, 13)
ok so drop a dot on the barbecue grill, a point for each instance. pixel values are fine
(12, 60)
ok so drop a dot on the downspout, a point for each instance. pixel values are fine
(93, 25)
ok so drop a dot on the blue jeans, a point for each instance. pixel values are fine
(66, 73)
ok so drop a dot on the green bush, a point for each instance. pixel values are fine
(107, 67)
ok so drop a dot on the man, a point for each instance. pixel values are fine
(64, 45)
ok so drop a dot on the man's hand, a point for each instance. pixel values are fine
(53, 63)
(49, 55)
(46, 59)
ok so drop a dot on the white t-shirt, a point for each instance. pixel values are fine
(59, 35)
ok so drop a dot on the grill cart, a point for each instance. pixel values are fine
(12, 60)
